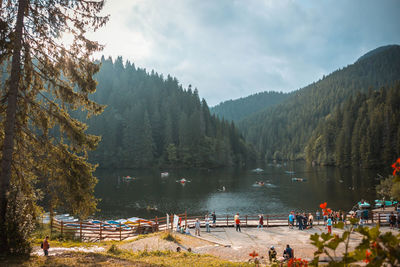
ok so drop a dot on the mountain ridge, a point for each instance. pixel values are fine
(282, 132)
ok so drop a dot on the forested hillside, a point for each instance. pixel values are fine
(152, 121)
(363, 131)
(235, 110)
(282, 132)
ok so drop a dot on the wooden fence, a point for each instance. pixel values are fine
(89, 231)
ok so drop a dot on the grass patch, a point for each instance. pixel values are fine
(118, 257)
(169, 237)
(114, 250)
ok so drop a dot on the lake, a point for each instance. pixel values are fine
(149, 195)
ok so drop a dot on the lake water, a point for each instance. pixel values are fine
(149, 195)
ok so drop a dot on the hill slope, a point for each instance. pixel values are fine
(282, 132)
(235, 110)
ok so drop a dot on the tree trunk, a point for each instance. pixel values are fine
(9, 128)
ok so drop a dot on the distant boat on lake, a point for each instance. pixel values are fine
(296, 179)
(258, 170)
(164, 174)
(128, 178)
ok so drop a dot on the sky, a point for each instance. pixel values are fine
(229, 49)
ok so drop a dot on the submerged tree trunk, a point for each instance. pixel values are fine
(9, 128)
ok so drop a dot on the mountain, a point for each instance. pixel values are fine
(235, 110)
(152, 121)
(283, 131)
(364, 131)
(377, 51)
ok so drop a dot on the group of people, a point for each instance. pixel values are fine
(394, 220)
(288, 253)
(302, 220)
(207, 223)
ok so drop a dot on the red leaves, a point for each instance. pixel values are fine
(367, 256)
(396, 166)
(253, 254)
(325, 211)
(297, 262)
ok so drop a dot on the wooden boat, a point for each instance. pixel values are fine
(257, 170)
(164, 174)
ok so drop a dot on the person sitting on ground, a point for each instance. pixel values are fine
(272, 254)
(187, 230)
(288, 253)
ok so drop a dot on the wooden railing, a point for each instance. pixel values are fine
(101, 231)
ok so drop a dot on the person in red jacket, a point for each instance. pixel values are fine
(237, 222)
(46, 246)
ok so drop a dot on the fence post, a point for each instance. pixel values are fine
(267, 221)
(172, 223)
(227, 221)
(186, 219)
(80, 230)
(372, 213)
(138, 230)
(246, 221)
(379, 218)
(156, 224)
(62, 227)
(120, 232)
(100, 232)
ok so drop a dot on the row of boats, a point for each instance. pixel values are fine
(126, 224)
(378, 204)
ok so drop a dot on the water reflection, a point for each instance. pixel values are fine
(151, 195)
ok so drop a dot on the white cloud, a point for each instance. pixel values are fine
(229, 49)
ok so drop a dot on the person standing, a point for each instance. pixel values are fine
(207, 220)
(197, 227)
(46, 246)
(214, 218)
(310, 219)
(300, 221)
(318, 214)
(305, 220)
(392, 220)
(237, 222)
(329, 225)
(291, 220)
(260, 221)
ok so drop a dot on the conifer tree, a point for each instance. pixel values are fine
(45, 82)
